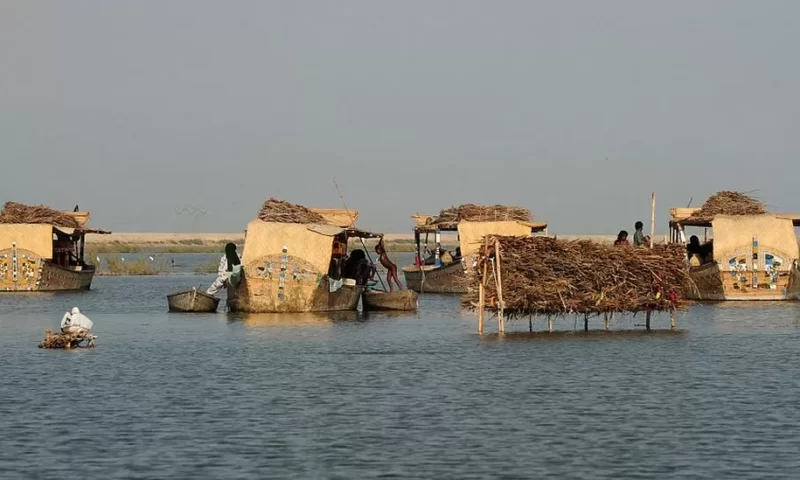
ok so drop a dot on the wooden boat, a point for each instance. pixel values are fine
(40, 257)
(192, 301)
(396, 300)
(449, 275)
(293, 267)
(750, 257)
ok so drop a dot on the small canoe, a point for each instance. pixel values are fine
(396, 300)
(192, 301)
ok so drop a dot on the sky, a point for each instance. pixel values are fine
(185, 115)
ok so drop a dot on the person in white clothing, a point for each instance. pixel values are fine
(76, 323)
(229, 266)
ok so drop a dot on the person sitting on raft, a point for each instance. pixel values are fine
(76, 323)
(622, 239)
(391, 268)
(229, 266)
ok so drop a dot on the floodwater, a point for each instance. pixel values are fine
(392, 395)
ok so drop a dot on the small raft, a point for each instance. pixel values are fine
(67, 341)
(396, 300)
(192, 301)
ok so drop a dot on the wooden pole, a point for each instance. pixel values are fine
(530, 323)
(653, 219)
(647, 321)
(672, 320)
(605, 322)
(550, 324)
(586, 323)
(501, 328)
(482, 293)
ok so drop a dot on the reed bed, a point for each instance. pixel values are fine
(14, 212)
(482, 213)
(729, 203)
(281, 211)
(545, 276)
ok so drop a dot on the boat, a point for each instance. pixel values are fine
(445, 272)
(749, 257)
(45, 257)
(295, 266)
(405, 300)
(192, 301)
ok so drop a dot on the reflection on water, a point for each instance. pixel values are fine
(395, 395)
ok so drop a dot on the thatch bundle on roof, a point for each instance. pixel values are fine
(545, 276)
(14, 212)
(730, 203)
(281, 211)
(482, 213)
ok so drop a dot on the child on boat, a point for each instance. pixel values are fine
(391, 268)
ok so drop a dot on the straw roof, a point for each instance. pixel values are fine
(729, 203)
(14, 212)
(545, 276)
(281, 211)
(470, 212)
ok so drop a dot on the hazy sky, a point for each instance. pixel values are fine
(136, 110)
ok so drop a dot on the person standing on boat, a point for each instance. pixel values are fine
(75, 322)
(391, 268)
(230, 270)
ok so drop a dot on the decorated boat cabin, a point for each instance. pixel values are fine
(296, 259)
(42, 249)
(737, 250)
(438, 271)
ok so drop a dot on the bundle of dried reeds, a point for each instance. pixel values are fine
(67, 340)
(281, 211)
(482, 213)
(730, 203)
(544, 276)
(14, 212)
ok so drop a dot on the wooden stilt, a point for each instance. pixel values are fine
(550, 324)
(605, 322)
(501, 327)
(647, 321)
(672, 320)
(530, 323)
(586, 323)
(482, 297)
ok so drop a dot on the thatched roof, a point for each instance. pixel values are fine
(728, 203)
(281, 211)
(545, 276)
(470, 212)
(14, 212)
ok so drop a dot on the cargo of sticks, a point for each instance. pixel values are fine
(67, 341)
(545, 276)
(281, 211)
(483, 213)
(730, 203)
(14, 212)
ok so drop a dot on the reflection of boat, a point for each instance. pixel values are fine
(318, 319)
(192, 301)
(750, 257)
(41, 257)
(396, 300)
(448, 273)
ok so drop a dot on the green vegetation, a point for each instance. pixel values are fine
(116, 266)
(192, 245)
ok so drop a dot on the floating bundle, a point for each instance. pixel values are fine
(482, 213)
(281, 211)
(730, 203)
(545, 276)
(67, 340)
(14, 212)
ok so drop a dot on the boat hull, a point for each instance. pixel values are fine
(431, 279)
(24, 271)
(714, 284)
(260, 293)
(404, 300)
(192, 301)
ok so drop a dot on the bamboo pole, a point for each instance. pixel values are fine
(501, 328)
(482, 292)
(653, 219)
